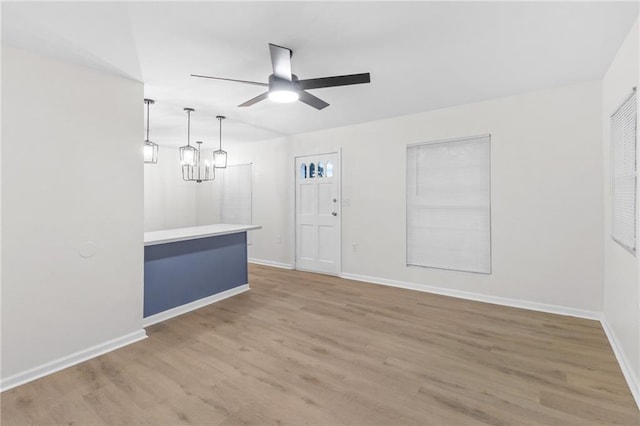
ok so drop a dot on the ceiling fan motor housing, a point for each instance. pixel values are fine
(277, 83)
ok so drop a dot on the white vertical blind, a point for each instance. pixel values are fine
(236, 206)
(449, 205)
(624, 172)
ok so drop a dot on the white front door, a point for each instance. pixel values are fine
(317, 213)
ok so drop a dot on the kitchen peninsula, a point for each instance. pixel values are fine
(187, 268)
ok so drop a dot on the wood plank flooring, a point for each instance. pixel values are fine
(307, 349)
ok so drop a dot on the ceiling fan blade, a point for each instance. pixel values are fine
(339, 80)
(255, 100)
(311, 100)
(281, 61)
(256, 83)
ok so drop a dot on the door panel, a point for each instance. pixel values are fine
(325, 243)
(307, 200)
(307, 242)
(317, 213)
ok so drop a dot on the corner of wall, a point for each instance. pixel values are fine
(621, 281)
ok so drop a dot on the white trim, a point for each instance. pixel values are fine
(291, 211)
(70, 360)
(183, 309)
(624, 363)
(505, 301)
(271, 263)
(332, 274)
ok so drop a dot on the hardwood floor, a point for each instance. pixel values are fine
(301, 348)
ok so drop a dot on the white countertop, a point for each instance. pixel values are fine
(193, 232)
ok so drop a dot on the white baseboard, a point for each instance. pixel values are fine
(70, 360)
(624, 363)
(179, 310)
(505, 301)
(271, 263)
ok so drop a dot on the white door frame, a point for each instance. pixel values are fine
(294, 222)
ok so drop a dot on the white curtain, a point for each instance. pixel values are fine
(449, 205)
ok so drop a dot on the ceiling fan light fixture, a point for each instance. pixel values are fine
(283, 96)
(282, 91)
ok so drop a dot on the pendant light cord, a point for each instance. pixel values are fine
(147, 102)
(189, 128)
(220, 146)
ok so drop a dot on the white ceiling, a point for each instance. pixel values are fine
(421, 55)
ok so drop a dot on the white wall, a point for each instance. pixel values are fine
(547, 195)
(169, 202)
(72, 183)
(272, 198)
(207, 204)
(622, 269)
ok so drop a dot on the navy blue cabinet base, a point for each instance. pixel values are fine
(183, 270)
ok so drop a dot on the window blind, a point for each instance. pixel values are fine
(449, 205)
(624, 173)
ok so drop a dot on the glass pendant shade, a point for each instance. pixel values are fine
(220, 159)
(150, 150)
(188, 155)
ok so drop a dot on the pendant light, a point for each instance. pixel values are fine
(150, 151)
(192, 168)
(220, 156)
(187, 152)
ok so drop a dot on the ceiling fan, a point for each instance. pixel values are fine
(286, 87)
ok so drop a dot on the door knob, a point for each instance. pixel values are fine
(334, 214)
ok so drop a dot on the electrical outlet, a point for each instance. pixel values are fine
(354, 248)
(278, 239)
